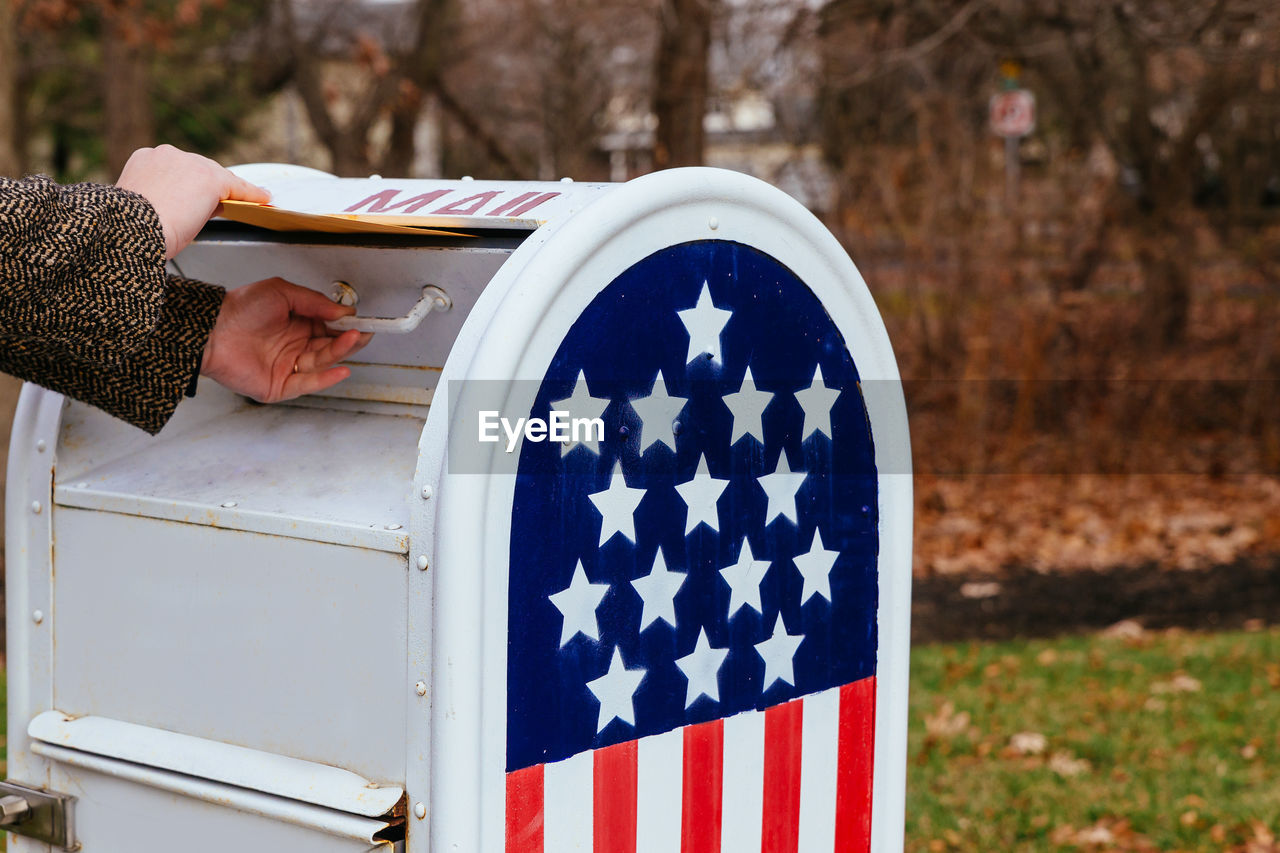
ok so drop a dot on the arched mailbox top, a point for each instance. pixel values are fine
(719, 282)
(429, 203)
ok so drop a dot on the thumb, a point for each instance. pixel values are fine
(305, 302)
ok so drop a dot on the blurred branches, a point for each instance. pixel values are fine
(399, 66)
(1166, 97)
(99, 78)
(10, 163)
(1144, 239)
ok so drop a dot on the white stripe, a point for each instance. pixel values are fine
(819, 750)
(566, 807)
(659, 792)
(743, 817)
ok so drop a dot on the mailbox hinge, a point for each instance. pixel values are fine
(43, 815)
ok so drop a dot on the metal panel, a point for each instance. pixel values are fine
(282, 645)
(121, 808)
(388, 280)
(340, 477)
(28, 578)
(281, 775)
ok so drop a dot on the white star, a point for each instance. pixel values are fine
(701, 668)
(815, 567)
(616, 505)
(615, 690)
(781, 487)
(747, 406)
(659, 411)
(577, 603)
(700, 495)
(704, 322)
(744, 578)
(581, 405)
(817, 400)
(778, 653)
(658, 592)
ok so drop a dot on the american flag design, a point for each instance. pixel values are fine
(692, 600)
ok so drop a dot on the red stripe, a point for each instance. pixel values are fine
(528, 206)
(703, 775)
(856, 763)
(614, 798)
(782, 728)
(524, 810)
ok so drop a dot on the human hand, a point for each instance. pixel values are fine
(185, 189)
(270, 342)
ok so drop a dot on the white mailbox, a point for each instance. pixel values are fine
(613, 554)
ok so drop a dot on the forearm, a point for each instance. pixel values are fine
(85, 306)
(80, 266)
(142, 387)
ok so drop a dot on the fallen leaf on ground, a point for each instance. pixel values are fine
(1064, 764)
(1028, 743)
(1125, 629)
(946, 722)
(979, 589)
(1180, 683)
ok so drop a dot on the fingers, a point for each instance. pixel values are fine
(326, 352)
(309, 383)
(359, 342)
(241, 190)
(229, 185)
(305, 302)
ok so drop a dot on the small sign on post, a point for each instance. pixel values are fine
(1012, 114)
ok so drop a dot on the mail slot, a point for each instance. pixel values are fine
(604, 544)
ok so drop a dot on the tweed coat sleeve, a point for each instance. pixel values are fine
(85, 306)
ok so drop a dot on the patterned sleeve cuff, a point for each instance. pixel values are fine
(167, 364)
(82, 265)
(142, 387)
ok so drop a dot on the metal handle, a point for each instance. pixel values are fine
(433, 299)
(13, 809)
(46, 816)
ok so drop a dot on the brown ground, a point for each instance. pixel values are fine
(1003, 556)
(1027, 603)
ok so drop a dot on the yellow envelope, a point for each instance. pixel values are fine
(276, 219)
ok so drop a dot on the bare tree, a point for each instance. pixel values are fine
(353, 89)
(547, 73)
(10, 161)
(1157, 84)
(1162, 88)
(682, 81)
(126, 80)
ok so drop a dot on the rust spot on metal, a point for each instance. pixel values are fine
(428, 367)
(400, 809)
(396, 818)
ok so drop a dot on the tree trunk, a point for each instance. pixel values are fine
(680, 90)
(10, 157)
(402, 144)
(126, 76)
(350, 156)
(1165, 253)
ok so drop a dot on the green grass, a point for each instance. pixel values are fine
(1165, 742)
